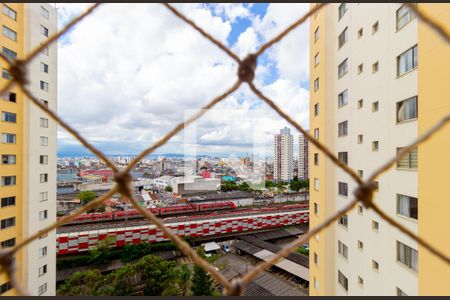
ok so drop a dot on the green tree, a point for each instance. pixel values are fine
(157, 273)
(121, 280)
(202, 283)
(228, 186)
(181, 284)
(295, 185)
(86, 196)
(87, 283)
(270, 184)
(168, 189)
(245, 187)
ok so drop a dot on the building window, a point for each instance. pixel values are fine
(316, 208)
(43, 236)
(43, 159)
(316, 184)
(11, 34)
(6, 75)
(342, 68)
(316, 283)
(360, 138)
(375, 265)
(5, 287)
(9, 117)
(316, 85)
(44, 31)
(360, 33)
(407, 206)
(342, 10)
(11, 97)
(375, 145)
(408, 60)
(360, 209)
(8, 180)
(360, 281)
(43, 196)
(343, 188)
(44, 122)
(44, 178)
(407, 256)
(360, 245)
(360, 173)
(404, 16)
(9, 53)
(407, 109)
(342, 249)
(42, 251)
(377, 186)
(343, 37)
(343, 220)
(316, 133)
(8, 159)
(44, 67)
(360, 103)
(42, 289)
(44, 141)
(375, 225)
(6, 223)
(375, 67)
(8, 138)
(11, 13)
(45, 51)
(8, 201)
(360, 68)
(43, 214)
(343, 156)
(316, 34)
(42, 270)
(316, 159)
(375, 106)
(343, 281)
(343, 128)
(44, 86)
(375, 27)
(8, 243)
(45, 13)
(401, 293)
(316, 258)
(316, 59)
(316, 109)
(409, 160)
(44, 102)
(343, 98)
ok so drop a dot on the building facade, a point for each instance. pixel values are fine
(303, 157)
(28, 149)
(367, 78)
(283, 161)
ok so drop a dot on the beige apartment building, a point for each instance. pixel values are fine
(377, 82)
(283, 159)
(28, 147)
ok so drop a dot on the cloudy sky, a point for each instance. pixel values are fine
(130, 72)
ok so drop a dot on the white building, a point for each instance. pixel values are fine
(283, 155)
(303, 157)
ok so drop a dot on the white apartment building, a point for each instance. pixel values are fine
(303, 157)
(283, 164)
(364, 87)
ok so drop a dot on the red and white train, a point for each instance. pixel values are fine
(75, 242)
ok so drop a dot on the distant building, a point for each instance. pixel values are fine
(283, 163)
(303, 157)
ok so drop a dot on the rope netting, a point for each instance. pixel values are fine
(364, 193)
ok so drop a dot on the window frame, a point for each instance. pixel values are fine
(343, 68)
(413, 210)
(403, 102)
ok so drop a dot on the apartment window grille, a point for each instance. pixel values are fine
(316, 109)
(44, 86)
(407, 206)
(343, 156)
(9, 53)
(42, 270)
(343, 37)
(407, 61)
(360, 103)
(342, 10)
(407, 256)
(407, 109)
(42, 251)
(343, 68)
(316, 34)
(404, 16)
(343, 129)
(8, 180)
(342, 249)
(43, 215)
(343, 188)
(343, 220)
(375, 106)
(375, 27)
(8, 159)
(9, 117)
(343, 98)
(42, 289)
(43, 159)
(375, 67)
(343, 281)
(44, 122)
(8, 138)
(44, 141)
(45, 13)
(8, 243)
(44, 67)
(360, 33)
(44, 31)
(9, 33)
(8, 11)
(409, 160)
(316, 59)
(43, 196)
(44, 178)
(8, 201)
(375, 145)
(375, 225)
(316, 85)
(6, 223)
(400, 292)
(5, 287)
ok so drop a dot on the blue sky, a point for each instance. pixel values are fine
(134, 70)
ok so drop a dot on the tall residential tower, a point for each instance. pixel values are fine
(28, 148)
(283, 161)
(378, 80)
(303, 157)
